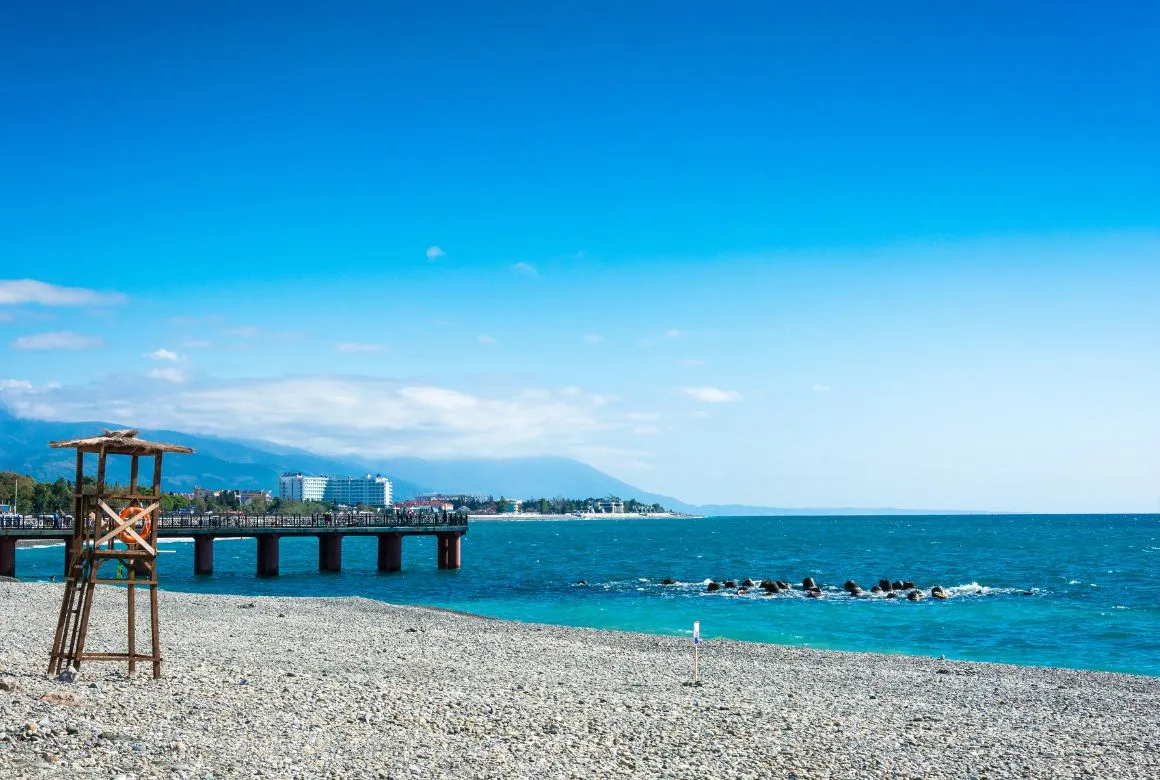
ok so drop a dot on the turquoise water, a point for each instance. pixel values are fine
(1094, 603)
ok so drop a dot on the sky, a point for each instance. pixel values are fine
(795, 254)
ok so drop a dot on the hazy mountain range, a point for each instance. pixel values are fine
(224, 463)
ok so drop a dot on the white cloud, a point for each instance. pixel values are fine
(175, 375)
(489, 340)
(593, 338)
(20, 291)
(163, 354)
(821, 388)
(712, 395)
(673, 333)
(15, 384)
(335, 415)
(434, 253)
(526, 269)
(63, 339)
(349, 346)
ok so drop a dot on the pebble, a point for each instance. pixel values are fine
(470, 697)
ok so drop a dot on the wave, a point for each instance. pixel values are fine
(686, 588)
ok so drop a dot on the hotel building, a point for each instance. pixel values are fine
(351, 491)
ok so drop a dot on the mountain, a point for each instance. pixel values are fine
(217, 463)
(520, 478)
(225, 463)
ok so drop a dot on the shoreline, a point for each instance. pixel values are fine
(401, 691)
(593, 516)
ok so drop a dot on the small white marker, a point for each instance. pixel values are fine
(696, 656)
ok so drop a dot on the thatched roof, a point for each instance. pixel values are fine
(123, 442)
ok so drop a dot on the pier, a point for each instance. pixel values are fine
(447, 528)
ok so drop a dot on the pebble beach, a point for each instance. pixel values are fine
(353, 688)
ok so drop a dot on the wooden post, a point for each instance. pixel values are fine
(101, 472)
(154, 615)
(132, 597)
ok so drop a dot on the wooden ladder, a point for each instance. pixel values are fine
(71, 626)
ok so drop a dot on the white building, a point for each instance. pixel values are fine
(369, 490)
(299, 487)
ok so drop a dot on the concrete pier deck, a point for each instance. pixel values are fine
(448, 528)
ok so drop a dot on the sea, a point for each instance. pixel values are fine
(1068, 591)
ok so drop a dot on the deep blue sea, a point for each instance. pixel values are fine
(1094, 588)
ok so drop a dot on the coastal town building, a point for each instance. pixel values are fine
(300, 487)
(368, 490)
(243, 497)
(510, 506)
(427, 505)
(608, 506)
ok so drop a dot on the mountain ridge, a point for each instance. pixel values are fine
(241, 463)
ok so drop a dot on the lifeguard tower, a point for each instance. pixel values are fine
(104, 517)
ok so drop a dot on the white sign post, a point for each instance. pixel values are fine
(696, 656)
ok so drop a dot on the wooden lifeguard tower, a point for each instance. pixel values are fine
(101, 519)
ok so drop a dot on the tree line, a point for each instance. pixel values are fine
(34, 497)
(553, 506)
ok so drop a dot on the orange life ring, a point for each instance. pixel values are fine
(143, 531)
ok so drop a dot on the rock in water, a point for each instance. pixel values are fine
(809, 584)
(713, 587)
(939, 592)
(668, 581)
(747, 583)
(730, 583)
(914, 595)
(876, 589)
(851, 586)
(885, 585)
(908, 585)
(896, 585)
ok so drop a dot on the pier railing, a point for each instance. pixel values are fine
(241, 522)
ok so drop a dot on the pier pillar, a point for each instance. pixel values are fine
(268, 555)
(390, 552)
(448, 550)
(8, 557)
(203, 554)
(330, 552)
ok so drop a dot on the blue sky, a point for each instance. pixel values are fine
(797, 254)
